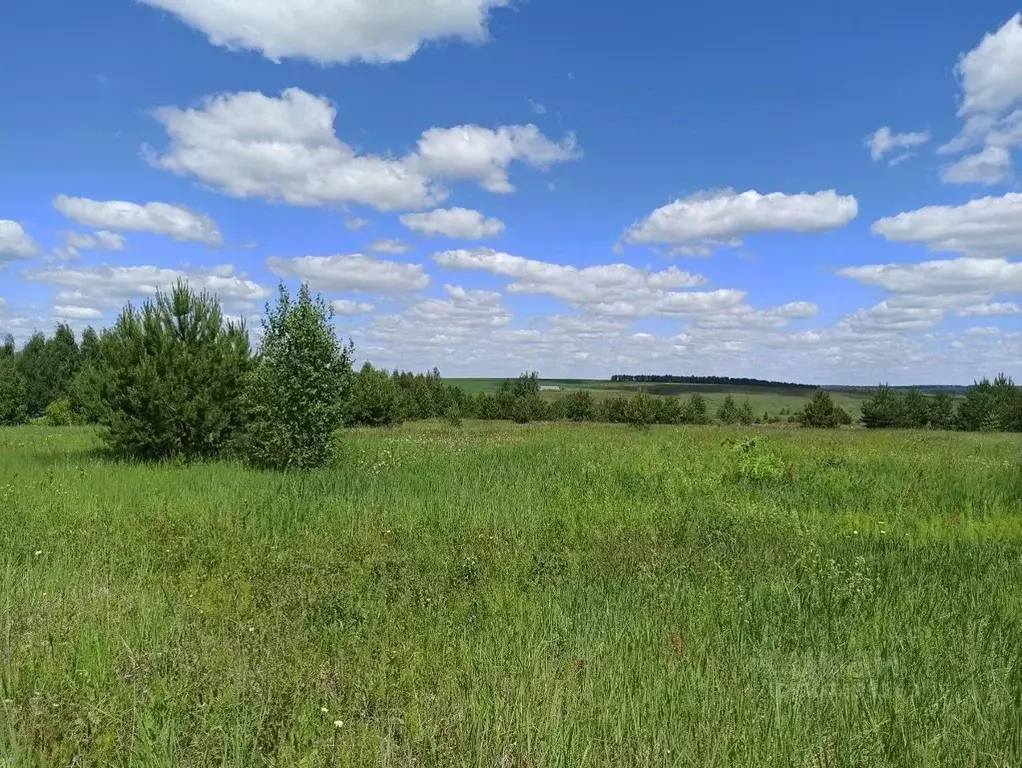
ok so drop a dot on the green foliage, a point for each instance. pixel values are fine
(750, 464)
(915, 410)
(641, 410)
(63, 360)
(696, 411)
(172, 378)
(821, 412)
(727, 413)
(745, 414)
(89, 349)
(941, 413)
(578, 405)
(883, 410)
(59, 413)
(374, 400)
(453, 417)
(13, 392)
(613, 410)
(299, 387)
(33, 363)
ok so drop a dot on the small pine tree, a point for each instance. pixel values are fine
(745, 414)
(300, 386)
(172, 378)
(915, 410)
(727, 413)
(822, 413)
(13, 392)
(882, 410)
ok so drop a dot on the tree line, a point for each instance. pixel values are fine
(988, 406)
(174, 379)
(725, 381)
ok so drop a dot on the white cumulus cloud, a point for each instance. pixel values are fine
(348, 307)
(942, 277)
(391, 246)
(105, 287)
(173, 221)
(101, 240)
(15, 242)
(474, 153)
(334, 31)
(457, 223)
(988, 226)
(991, 105)
(70, 312)
(619, 290)
(727, 215)
(352, 272)
(991, 165)
(285, 148)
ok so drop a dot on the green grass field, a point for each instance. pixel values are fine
(770, 400)
(512, 596)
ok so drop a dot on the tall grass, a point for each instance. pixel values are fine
(505, 595)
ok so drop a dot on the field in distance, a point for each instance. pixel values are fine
(771, 400)
(585, 596)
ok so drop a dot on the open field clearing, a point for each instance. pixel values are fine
(502, 595)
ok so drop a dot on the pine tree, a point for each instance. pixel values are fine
(300, 387)
(976, 409)
(13, 392)
(172, 378)
(745, 414)
(915, 410)
(33, 363)
(63, 359)
(821, 412)
(882, 410)
(727, 413)
(942, 411)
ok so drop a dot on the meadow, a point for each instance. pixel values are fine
(517, 596)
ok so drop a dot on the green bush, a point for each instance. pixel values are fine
(696, 410)
(299, 387)
(172, 378)
(578, 405)
(641, 410)
(453, 417)
(59, 413)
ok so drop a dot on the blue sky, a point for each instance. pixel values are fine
(813, 191)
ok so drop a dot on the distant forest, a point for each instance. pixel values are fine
(727, 381)
(730, 381)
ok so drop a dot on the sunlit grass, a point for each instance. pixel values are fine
(518, 596)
